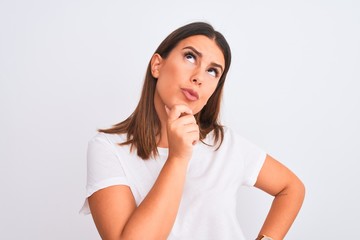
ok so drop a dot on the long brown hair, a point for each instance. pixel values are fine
(143, 125)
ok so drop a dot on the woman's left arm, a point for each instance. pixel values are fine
(277, 180)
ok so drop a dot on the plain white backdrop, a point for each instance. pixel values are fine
(70, 67)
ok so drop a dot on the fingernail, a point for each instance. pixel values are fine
(167, 109)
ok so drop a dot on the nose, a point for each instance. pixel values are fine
(196, 78)
(196, 81)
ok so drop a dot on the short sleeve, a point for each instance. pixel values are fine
(254, 158)
(250, 155)
(103, 168)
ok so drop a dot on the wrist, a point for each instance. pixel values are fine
(177, 161)
(178, 158)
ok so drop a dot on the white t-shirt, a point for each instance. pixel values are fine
(208, 206)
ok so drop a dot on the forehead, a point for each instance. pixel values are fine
(206, 46)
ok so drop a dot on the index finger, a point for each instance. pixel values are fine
(177, 111)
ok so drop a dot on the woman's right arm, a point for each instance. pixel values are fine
(116, 216)
(114, 210)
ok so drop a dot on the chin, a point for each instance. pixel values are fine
(195, 111)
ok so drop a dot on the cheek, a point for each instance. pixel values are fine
(170, 70)
(164, 79)
(210, 90)
(206, 95)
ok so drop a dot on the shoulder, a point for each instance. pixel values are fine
(107, 138)
(238, 143)
(231, 136)
(104, 143)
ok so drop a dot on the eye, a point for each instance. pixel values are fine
(213, 72)
(190, 57)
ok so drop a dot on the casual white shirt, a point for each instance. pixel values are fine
(208, 206)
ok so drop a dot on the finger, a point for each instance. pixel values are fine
(195, 137)
(190, 128)
(176, 111)
(191, 137)
(167, 110)
(187, 119)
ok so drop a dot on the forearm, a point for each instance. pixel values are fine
(283, 211)
(155, 216)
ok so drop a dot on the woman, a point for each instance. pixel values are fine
(170, 170)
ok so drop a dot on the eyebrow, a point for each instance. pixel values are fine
(200, 55)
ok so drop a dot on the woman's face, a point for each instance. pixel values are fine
(190, 73)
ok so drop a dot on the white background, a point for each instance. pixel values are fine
(69, 67)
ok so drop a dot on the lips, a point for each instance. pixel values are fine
(190, 94)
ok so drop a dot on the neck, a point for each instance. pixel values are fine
(162, 140)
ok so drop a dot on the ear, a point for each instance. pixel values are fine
(156, 62)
